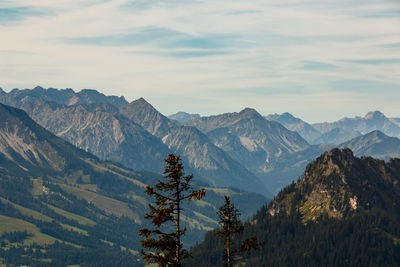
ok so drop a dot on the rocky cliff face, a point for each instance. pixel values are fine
(25, 146)
(103, 131)
(338, 182)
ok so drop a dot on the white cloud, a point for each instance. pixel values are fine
(266, 45)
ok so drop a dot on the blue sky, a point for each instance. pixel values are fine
(320, 60)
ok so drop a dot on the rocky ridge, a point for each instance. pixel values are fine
(337, 182)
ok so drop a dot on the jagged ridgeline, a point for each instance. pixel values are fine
(134, 134)
(344, 211)
(60, 205)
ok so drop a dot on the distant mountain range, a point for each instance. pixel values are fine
(250, 139)
(18, 98)
(339, 131)
(344, 211)
(134, 134)
(375, 144)
(371, 121)
(242, 149)
(58, 192)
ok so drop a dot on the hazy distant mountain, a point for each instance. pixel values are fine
(336, 136)
(370, 122)
(202, 157)
(396, 121)
(18, 98)
(183, 116)
(375, 144)
(103, 131)
(295, 124)
(250, 139)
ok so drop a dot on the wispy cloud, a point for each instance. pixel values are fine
(374, 61)
(314, 65)
(228, 52)
(9, 15)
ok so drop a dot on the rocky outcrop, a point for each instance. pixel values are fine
(338, 182)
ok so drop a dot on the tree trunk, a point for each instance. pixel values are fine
(178, 230)
(228, 245)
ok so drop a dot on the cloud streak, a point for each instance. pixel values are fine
(262, 51)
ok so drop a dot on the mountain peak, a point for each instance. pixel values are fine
(142, 104)
(38, 88)
(338, 155)
(376, 133)
(288, 115)
(141, 100)
(249, 112)
(284, 118)
(374, 115)
(183, 116)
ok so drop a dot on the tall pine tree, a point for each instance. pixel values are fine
(162, 247)
(231, 228)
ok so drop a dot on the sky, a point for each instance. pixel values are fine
(319, 60)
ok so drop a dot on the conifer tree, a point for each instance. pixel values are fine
(231, 228)
(162, 247)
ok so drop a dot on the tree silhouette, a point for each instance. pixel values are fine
(231, 228)
(162, 247)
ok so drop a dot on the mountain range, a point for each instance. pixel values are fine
(251, 139)
(18, 98)
(73, 167)
(134, 134)
(375, 120)
(59, 193)
(240, 149)
(342, 130)
(201, 155)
